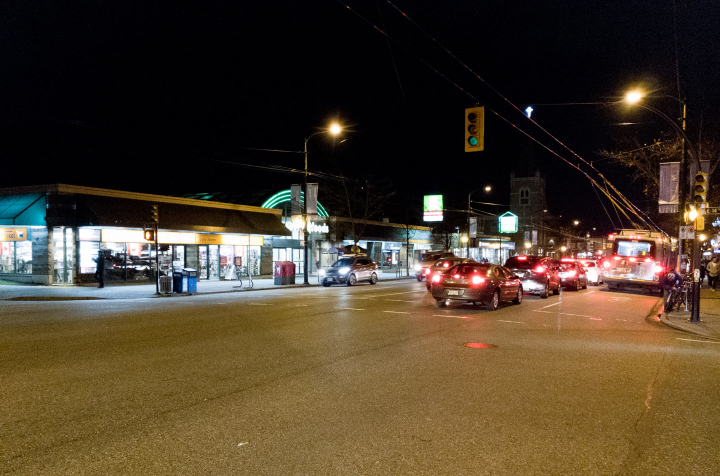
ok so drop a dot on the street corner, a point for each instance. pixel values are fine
(680, 320)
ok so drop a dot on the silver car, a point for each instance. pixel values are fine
(350, 270)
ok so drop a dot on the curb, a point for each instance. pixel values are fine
(690, 328)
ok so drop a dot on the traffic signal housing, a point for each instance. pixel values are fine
(154, 214)
(149, 235)
(474, 129)
(701, 189)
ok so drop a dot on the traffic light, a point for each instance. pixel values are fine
(701, 189)
(149, 235)
(154, 214)
(474, 129)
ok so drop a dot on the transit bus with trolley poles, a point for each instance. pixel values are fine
(638, 261)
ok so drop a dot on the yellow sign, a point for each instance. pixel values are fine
(203, 239)
(113, 235)
(13, 234)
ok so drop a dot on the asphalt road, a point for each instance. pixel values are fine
(365, 380)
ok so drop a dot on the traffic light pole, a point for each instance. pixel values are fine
(157, 261)
(306, 235)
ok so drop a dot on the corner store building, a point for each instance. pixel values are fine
(51, 233)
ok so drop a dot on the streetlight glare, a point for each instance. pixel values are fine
(488, 188)
(576, 222)
(633, 96)
(335, 129)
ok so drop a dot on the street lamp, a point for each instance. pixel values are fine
(634, 97)
(334, 129)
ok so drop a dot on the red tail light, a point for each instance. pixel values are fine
(632, 260)
(606, 264)
(617, 258)
(446, 265)
(427, 270)
(456, 276)
(572, 273)
(477, 280)
(436, 278)
(648, 260)
(522, 258)
(659, 269)
(540, 269)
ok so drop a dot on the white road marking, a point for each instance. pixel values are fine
(450, 315)
(546, 312)
(550, 305)
(383, 295)
(258, 304)
(397, 300)
(589, 292)
(516, 322)
(397, 312)
(349, 309)
(695, 340)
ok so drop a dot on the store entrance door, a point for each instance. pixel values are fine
(203, 261)
(62, 240)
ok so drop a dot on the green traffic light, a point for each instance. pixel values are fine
(473, 141)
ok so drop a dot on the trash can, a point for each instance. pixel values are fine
(284, 272)
(166, 284)
(289, 272)
(177, 282)
(190, 280)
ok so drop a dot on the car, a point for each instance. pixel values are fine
(350, 270)
(538, 275)
(593, 271)
(476, 283)
(427, 259)
(573, 275)
(442, 265)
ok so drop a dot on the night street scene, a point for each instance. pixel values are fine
(348, 237)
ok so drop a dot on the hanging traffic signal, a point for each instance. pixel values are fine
(474, 129)
(149, 235)
(701, 189)
(154, 214)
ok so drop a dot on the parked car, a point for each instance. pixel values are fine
(442, 265)
(477, 283)
(427, 259)
(573, 275)
(538, 275)
(350, 270)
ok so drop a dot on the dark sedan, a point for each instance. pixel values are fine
(477, 283)
(573, 275)
(442, 265)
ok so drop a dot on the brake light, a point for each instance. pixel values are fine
(632, 259)
(477, 280)
(567, 260)
(456, 276)
(436, 278)
(446, 265)
(522, 258)
(611, 237)
(540, 269)
(617, 258)
(659, 269)
(571, 273)
(427, 270)
(606, 264)
(648, 260)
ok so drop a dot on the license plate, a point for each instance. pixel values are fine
(453, 292)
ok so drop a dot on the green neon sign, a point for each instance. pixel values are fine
(508, 223)
(284, 196)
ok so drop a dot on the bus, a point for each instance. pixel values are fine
(638, 260)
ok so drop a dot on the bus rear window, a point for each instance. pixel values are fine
(639, 249)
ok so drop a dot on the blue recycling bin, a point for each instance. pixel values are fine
(190, 280)
(177, 282)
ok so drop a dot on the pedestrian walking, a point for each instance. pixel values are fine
(100, 269)
(712, 271)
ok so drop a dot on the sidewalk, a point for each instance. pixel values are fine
(709, 325)
(138, 291)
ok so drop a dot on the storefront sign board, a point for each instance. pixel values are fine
(13, 234)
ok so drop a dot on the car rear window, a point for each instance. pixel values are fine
(588, 265)
(522, 262)
(466, 269)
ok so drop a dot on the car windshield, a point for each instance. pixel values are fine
(522, 262)
(446, 263)
(429, 256)
(342, 262)
(467, 269)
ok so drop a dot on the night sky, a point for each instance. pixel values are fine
(160, 97)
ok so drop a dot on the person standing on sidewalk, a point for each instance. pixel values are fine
(100, 269)
(712, 271)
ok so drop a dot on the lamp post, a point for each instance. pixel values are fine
(334, 130)
(634, 97)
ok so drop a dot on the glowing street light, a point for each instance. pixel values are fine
(633, 96)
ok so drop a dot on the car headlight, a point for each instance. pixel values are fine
(418, 267)
(344, 270)
(322, 272)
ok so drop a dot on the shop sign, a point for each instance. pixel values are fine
(433, 208)
(202, 239)
(165, 262)
(115, 235)
(13, 234)
(312, 226)
(89, 234)
(508, 223)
